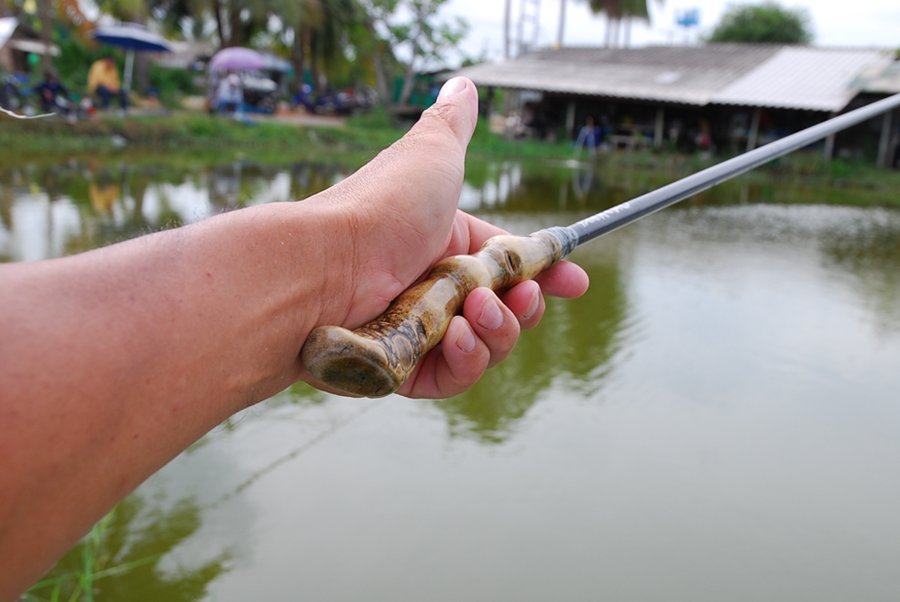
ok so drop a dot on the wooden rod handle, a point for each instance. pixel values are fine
(375, 359)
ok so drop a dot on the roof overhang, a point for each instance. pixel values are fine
(787, 77)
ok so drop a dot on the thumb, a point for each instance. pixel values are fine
(456, 107)
(399, 208)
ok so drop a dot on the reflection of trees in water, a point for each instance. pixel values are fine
(133, 543)
(532, 186)
(109, 195)
(241, 183)
(309, 178)
(870, 253)
(134, 552)
(520, 185)
(573, 344)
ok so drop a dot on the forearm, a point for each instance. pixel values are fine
(128, 354)
(114, 361)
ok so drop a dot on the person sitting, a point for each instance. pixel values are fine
(53, 96)
(103, 82)
(229, 95)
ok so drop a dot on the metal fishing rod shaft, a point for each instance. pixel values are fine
(375, 359)
(630, 211)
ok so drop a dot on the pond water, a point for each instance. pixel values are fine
(717, 419)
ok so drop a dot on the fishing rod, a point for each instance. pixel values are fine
(376, 358)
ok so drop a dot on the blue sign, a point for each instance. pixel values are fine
(688, 18)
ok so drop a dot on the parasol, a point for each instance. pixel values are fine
(133, 37)
(237, 59)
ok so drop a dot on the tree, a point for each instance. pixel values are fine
(766, 23)
(46, 19)
(411, 30)
(324, 37)
(618, 12)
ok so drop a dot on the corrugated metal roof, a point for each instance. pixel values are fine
(682, 74)
(885, 80)
(803, 78)
(745, 74)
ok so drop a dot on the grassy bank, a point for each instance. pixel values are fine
(199, 132)
(206, 139)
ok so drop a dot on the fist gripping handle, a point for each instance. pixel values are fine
(375, 359)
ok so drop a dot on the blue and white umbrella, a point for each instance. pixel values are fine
(133, 37)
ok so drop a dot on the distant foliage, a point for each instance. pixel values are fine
(767, 23)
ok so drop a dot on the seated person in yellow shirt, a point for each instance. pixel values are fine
(104, 83)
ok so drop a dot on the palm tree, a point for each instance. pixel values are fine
(616, 12)
(320, 32)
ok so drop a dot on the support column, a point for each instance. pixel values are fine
(753, 132)
(659, 129)
(570, 118)
(885, 140)
(829, 145)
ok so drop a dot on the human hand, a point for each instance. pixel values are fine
(399, 212)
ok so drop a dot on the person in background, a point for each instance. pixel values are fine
(229, 95)
(104, 84)
(53, 96)
(589, 136)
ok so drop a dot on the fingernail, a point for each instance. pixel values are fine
(491, 317)
(532, 307)
(466, 341)
(452, 86)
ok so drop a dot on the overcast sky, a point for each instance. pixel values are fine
(861, 23)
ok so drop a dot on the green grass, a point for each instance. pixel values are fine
(79, 584)
(203, 138)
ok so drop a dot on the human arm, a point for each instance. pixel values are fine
(115, 360)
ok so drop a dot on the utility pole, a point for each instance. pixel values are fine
(506, 22)
(529, 16)
(560, 33)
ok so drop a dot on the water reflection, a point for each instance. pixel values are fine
(709, 328)
(134, 541)
(572, 349)
(869, 253)
(565, 186)
(53, 210)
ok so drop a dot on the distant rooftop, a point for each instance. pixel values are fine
(742, 74)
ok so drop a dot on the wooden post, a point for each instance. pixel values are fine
(570, 118)
(829, 145)
(753, 132)
(659, 130)
(885, 140)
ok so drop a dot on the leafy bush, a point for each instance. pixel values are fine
(170, 85)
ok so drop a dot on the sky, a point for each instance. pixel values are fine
(868, 23)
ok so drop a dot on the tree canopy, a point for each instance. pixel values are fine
(767, 23)
(330, 43)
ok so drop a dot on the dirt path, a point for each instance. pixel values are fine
(302, 118)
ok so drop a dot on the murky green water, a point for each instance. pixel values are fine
(718, 419)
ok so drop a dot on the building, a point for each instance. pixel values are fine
(729, 97)
(16, 43)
